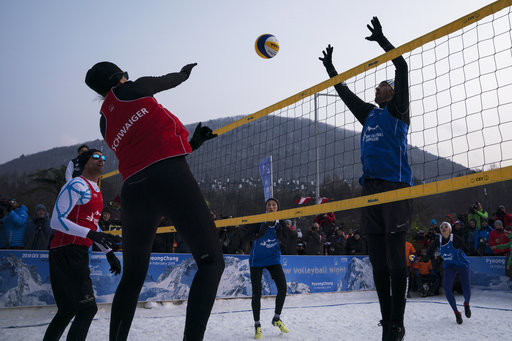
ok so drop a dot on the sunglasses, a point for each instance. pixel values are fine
(123, 73)
(96, 157)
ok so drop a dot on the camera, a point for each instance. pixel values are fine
(4, 207)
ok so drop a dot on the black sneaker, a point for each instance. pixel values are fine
(396, 333)
(458, 317)
(467, 310)
(385, 329)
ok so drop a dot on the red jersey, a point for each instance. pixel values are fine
(86, 215)
(142, 132)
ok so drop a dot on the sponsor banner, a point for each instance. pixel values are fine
(25, 279)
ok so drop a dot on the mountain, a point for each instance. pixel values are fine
(289, 140)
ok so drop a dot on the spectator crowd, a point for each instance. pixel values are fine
(484, 235)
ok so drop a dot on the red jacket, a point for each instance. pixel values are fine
(497, 238)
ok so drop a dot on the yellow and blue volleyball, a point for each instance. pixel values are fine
(267, 46)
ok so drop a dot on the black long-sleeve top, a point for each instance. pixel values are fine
(398, 106)
(144, 87)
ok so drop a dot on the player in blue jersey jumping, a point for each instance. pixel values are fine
(452, 249)
(385, 168)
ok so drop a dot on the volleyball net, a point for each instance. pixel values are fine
(460, 85)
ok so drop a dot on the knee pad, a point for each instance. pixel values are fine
(216, 260)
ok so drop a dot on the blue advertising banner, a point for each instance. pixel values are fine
(266, 177)
(24, 276)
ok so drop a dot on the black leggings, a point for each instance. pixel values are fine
(166, 188)
(276, 271)
(72, 289)
(387, 255)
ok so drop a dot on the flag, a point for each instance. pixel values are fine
(322, 200)
(302, 200)
(266, 177)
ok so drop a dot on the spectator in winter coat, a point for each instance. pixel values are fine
(425, 275)
(497, 237)
(38, 232)
(506, 246)
(337, 244)
(458, 230)
(15, 224)
(481, 242)
(237, 243)
(477, 212)
(327, 222)
(501, 214)
(355, 245)
(105, 223)
(288, 242)
(409, 250)
(314, 240)
(470, 235)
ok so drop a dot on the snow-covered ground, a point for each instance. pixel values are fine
(330, 316)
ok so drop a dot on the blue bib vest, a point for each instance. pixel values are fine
(265, 250)
(384, 148)
(452, 257)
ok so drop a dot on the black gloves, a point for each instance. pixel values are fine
(187, 69)
(115, 264)
(108, 241)
(327, 59)
(201, 134)
(376, 30)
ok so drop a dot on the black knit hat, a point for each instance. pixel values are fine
(85, 156)
(103, 76)
(277, 201)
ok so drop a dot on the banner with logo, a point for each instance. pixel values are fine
(25, 281)
(266, 177)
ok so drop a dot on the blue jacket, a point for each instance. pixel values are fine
(15, 223)
(38, 231)
(484, 233)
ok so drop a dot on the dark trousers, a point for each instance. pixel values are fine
(277, 274)
(166, 188)
(387, 255)
(72, 289)
(449, 277)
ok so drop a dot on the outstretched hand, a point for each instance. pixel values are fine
(115, 264)
(376, 30)
(108, 241)
(327, 58)
(201, 134)
(187, 69)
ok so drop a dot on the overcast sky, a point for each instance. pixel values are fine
(46, 47)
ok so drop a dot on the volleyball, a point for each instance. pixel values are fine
(266, 46)
(412, 258)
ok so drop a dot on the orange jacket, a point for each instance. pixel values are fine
(409, 250)
(423, 268)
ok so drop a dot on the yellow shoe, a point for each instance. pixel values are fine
(280, 324)
(257, 333)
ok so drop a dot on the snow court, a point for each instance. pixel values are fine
(328, 316)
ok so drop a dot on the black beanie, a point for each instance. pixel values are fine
(103, 76)
(277, 201)
(85, 156)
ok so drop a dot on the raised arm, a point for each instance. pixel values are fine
(357, 106)
(153, 85)
(399, 105)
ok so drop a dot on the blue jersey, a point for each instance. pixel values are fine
(384, 148)
(265, 250)
(452, 257)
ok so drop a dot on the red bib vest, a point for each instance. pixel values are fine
(142, 132)
(86, 215)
